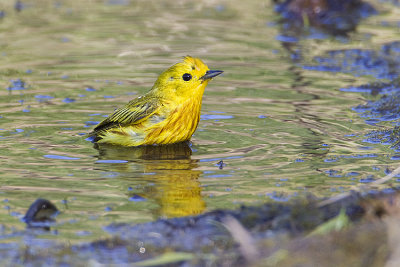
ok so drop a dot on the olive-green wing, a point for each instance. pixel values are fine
(133, 113)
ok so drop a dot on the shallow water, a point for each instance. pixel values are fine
(281, 128)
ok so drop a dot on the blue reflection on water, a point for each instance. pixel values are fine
(60, 157)
(215, 117)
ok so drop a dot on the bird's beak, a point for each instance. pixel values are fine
(211, 74)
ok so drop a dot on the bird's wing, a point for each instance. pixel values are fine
(133, 113)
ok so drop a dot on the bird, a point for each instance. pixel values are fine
(169, 113)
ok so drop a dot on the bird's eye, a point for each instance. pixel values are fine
(186, 77)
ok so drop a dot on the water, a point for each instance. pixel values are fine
(280, 129)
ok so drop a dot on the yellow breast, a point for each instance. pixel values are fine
(177, 127)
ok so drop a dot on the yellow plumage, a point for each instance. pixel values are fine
(169, 113)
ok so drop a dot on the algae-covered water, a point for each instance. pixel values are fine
(281, 126)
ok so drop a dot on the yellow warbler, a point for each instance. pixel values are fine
(169, 113)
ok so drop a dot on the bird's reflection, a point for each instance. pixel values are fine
(176, 188)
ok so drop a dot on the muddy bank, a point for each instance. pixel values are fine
(268, 233)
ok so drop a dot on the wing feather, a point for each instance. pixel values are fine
(132, 113)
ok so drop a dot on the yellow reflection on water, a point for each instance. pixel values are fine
(177, 189)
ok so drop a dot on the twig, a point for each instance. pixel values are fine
(357, 189)
(243, 238)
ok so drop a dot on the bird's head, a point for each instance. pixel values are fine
(185, 79)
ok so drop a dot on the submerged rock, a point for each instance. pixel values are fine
(385, 109)
(40, 214)
(381, 64)
(357, 62)
(386, 137)
(374, 88)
